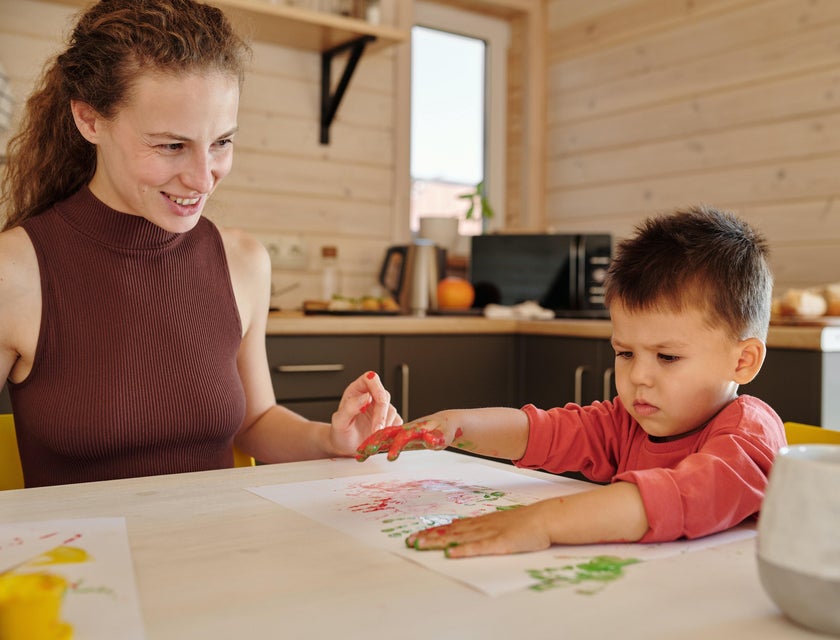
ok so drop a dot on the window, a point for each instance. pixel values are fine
(458, 94)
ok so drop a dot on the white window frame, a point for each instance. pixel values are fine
(496, 33)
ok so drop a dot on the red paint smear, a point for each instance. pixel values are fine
(364, 407)
(458, 432)
(374, 505)
(370, 375)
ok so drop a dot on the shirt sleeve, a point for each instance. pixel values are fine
(719, 485)
(589, 439)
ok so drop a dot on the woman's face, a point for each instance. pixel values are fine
(167, 149)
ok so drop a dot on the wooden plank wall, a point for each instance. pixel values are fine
(284, 183)
(655, 104)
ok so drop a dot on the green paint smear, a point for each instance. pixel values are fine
(508, 507)
(593, 574)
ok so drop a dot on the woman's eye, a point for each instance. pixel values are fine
(174, 146)
(666, 358)
(624, 354)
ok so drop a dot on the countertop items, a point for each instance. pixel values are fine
(810, 336)
(216, 561)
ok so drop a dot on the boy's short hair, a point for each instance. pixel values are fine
(699, 257)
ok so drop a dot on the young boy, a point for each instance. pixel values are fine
(684, 455)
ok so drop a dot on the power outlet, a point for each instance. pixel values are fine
(288, 252)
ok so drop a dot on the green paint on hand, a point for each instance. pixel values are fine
(594, 574)
(508, 507)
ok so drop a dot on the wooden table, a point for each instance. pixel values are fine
(215, 561)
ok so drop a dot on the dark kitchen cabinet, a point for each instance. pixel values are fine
(796, 384)
(556, 370)
(310, 373)
(428, 373)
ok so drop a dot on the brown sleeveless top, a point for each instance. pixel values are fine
(135, 369)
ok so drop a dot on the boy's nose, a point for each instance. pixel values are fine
(640, 373)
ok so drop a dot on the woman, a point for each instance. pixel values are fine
(132, 330)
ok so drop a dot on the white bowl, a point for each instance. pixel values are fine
(799, 536)
(808, 600)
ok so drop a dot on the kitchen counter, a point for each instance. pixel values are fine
(810, 337)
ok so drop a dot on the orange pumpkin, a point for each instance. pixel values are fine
(455, 293)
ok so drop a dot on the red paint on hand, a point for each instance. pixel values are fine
(370, 375)
(399, 438)
(365, 407)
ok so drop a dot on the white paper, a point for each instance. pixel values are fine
(101, 602)
(382, 509)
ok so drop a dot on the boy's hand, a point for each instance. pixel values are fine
(395, 439)
(503, 532)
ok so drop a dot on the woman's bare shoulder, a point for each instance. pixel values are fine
(18, 262)
(250, 274)
(244, 251)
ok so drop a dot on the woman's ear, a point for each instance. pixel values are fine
(751, 354)
(88, 121)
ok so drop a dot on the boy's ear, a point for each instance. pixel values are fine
(751, 354)
(87, 120)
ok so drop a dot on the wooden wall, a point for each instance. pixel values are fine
(283, 183)
(655, 104)
(651, 104)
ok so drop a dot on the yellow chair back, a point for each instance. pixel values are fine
(11, 473)
(798, 433)
(241, 459)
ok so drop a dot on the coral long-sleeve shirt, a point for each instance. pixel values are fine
(691, 486)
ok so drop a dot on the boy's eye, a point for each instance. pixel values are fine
(225, 142)
(173, 146)
(666, 358)
(624, 354)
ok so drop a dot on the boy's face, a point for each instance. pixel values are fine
(673, 371)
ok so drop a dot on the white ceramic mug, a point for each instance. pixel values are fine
(799, 535)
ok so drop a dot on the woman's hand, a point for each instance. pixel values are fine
(365, 407)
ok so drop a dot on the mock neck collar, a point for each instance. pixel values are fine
(93, 218)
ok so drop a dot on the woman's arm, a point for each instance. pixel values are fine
(20, 304)
(272, 433)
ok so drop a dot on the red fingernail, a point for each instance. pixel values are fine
(370, 375)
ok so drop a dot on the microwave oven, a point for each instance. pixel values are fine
(561, 272)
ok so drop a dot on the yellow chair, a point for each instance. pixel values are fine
(11, 473)
(798, 433)
(241, 459)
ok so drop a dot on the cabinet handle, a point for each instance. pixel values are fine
(404, 390)
(608, 378)
(579, 371)
(308, 368)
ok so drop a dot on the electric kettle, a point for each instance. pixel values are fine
(411, 274)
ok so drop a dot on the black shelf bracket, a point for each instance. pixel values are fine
(330, 101)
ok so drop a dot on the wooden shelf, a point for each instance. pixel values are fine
(304, 28)
(296, 27)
